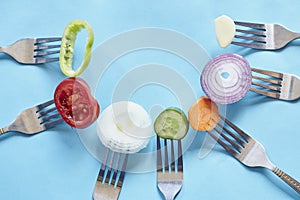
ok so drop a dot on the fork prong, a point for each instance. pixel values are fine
(234, 144)
(158, 154)
(266, 93)
(250, 25)
(166, 155)
(223, 144)
(245, 136)
(179, 162)
(44, 47)
(53, 123)
(109, 168)
(261, 34)
(102, 168)
(45, 60)
(43, 105)
(122, 175)
(256, 39)
(49, 117)
(46, 40)
(116, 170)
(239, 140)
(172, 156)
(44, 112)
(270, 87)
(268, 73)
(45, 53)
(250, 45)
(273, 81)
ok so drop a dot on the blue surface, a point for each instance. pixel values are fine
(55, 165)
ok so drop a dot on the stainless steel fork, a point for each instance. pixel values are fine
(263, 36)
(107, 187)
(247, 150)
(276, 85)
(33, 50)
(34, 120)
(169, 172)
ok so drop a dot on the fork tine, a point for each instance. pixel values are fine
(250, 32)
(223, 144)
(44, 47)
(45, 53)
(45, 60)
(122, 175)
(250, 25)
(273, 81)
(43, 105)
(53, 123)
(266, 93)
(46, 40)
(114, 178)
(245, 136)
(49, 117)
(270, 87)
(109, 168)
(158, 154)
(268, 73)
(235, 145)
(167, 167)
(102, 169)
(172, 156)
(250, 45)
(179, 162)
(256, 39)
(44, 112)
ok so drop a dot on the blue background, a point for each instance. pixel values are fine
(54, 165)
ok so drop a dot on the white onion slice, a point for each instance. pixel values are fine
(113, 135)
(226, 78)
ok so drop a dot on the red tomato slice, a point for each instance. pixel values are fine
(75, 103)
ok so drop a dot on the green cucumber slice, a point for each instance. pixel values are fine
(67, 47)
(172, 123)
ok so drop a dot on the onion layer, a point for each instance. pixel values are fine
(124, 127)
(226, 78)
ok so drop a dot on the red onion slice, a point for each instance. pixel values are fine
(226, 78)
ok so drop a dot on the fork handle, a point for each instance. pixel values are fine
(2, 50)
(288, 179)
(4, 130)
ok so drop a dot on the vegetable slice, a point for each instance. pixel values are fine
(67, 47)
(172, 123)
(226, 78)
(225, 30)
(75, 103)
(117, 136)
(203, 114)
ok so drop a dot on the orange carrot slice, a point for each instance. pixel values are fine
(203, 114)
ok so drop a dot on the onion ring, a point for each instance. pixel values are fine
(226, 78)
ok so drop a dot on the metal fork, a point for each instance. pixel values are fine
(107, 187)
(169, 178)
(247, 150)
(34, 120)
(276, 85)
(264, 36)
(33, 50)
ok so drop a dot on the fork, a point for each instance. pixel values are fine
(277, 85)
(247, 150)
(169, 177)
(264, 36)
(34, 120)
(107, 187)
(32, 50)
